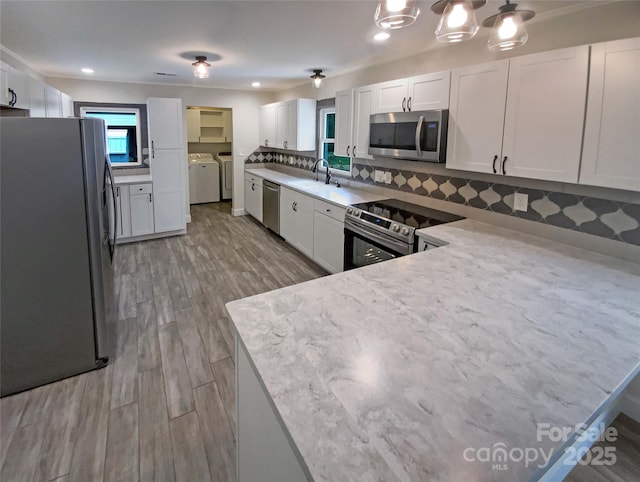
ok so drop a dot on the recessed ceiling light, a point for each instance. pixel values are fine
(380, 36)
(255, 84)
(87, 70)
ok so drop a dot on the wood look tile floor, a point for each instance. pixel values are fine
(164, 408)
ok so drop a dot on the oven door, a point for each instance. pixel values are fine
(363, 247)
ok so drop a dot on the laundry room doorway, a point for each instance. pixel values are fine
(210, 148)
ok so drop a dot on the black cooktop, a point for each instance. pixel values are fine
(407, 213)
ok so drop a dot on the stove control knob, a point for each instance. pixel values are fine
(405, 231)
(356, 212)
(349, 210)
(395, 228)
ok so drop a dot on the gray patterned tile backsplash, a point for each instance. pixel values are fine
(599, 217)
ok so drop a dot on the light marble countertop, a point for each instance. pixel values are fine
(340, 196)
(391, 371)
(136, 179)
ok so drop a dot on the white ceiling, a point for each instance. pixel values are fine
(274, 42)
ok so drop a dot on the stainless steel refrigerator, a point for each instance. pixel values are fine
(57, 313)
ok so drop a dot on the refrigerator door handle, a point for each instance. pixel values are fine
(112, 244)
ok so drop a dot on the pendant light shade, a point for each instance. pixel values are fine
(458, 19)
(508, 27)
(392, 14)
(201, 67)
(317, 78)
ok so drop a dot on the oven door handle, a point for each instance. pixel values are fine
(418, 132)
(392, 244)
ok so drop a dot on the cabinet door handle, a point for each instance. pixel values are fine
(153, 150)
(404, 104)
(149, 197)
(285, 144)
(118, 191)
(328, 210)
(253, 187)
(15, 98)
(409, 104)
(348, 150)
(495, 158)
(504, 163)
(353, 153)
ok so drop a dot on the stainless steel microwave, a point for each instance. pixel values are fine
(418, 136)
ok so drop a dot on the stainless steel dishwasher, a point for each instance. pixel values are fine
(271, 205)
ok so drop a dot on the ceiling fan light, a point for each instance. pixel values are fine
(392, 14)
(201, 67)
(458, 21)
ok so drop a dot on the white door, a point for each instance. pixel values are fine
(253, 198)
(18, 83)
(168, 190)
(5, 95)
(193, 125)
(328, 242)
(391, 96)
(141, 214)
(282, 125)
(476, 117)
(545, 115)
(429, 92)
(291, 139)
(268, 125)
(66, 105)
(304, 228)
(611, 151)
(37, 100)
(123, 208)
(363, 108)
(165, 123)
(53, 102)
(344, 124)
(287, 216)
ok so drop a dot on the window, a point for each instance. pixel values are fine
(328, 141)
(124, 144)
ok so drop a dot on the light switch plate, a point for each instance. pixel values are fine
(520, 202)
(242, 152)
(378, 176)
(387, 177)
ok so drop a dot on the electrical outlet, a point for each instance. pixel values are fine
(520, 202)
(242, 152)
(387, 177)
(378, 176)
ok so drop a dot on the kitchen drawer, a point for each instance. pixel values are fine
(253, 178)
(331, 210)
(304, 201)
(140, 188)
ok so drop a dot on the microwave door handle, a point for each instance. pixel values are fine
(418, 132)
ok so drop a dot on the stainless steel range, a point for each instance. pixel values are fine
(382, 230)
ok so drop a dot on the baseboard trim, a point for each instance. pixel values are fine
(238, 212)
(188, 218)
(147, 237)
(630, 406)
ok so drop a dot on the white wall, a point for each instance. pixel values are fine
(597, 24)
(244, 105)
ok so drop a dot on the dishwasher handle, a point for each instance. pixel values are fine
(271, 186)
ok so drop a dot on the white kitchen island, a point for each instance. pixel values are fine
(403, 370)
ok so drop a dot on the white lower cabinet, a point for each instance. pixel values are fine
(253, 196)
(296, 220)
(141, 205)
(123, 209)
(328, 236)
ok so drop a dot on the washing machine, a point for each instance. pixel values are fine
(226, 174)
(204, 178)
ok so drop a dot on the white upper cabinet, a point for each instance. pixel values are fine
(344, 122)
(66, 106)
(530, 126)
(282, 124)
(363, 102)
(14, 87)
(165, 123)
(476, 116)
(423, 92)
(53, 101)
(37, 98)
(267, 125)
(288, 125)
(429, 92)
(193, 125)
(391, 96)
(611, 151)
(545, 115)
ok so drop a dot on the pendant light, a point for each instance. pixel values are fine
(392, 14)
(458, 19)
(201, 67)
(508, 31)
(317, 78)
